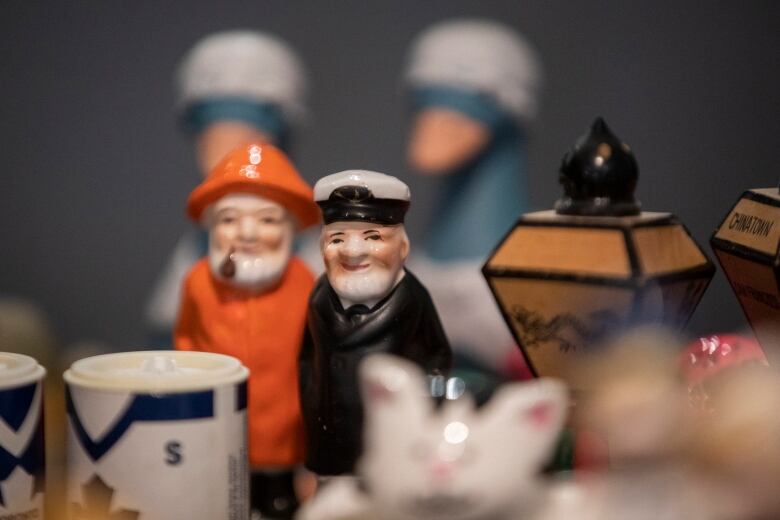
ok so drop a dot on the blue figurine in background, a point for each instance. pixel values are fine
(232, 87)
(473, 88)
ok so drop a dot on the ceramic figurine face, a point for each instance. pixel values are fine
(363, 260)
(443, 140)
(253, 234)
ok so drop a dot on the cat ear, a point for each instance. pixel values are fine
(390, 384)
(536, 410)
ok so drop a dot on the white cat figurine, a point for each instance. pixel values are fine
(455, 462)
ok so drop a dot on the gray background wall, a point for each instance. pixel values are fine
(95, 173)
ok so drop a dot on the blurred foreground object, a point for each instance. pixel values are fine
(666, 458)
(632, 395)
(635, 401)
(747, 245)
(473, 88)
(233, 87)
(706, 360)
(737, 445)
(566, 279)
(456, 462)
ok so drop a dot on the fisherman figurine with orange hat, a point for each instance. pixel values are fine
(248, 298)
(232, 87)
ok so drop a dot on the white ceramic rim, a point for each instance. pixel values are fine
(99, 372)
(23, 370)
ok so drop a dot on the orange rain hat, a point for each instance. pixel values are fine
(257, 169)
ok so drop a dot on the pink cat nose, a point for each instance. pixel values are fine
(441, 470)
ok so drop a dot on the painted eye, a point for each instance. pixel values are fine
(373, 237)
(336, 241)
(268, 220)
(227, 220)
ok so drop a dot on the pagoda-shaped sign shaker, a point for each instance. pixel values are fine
(565, 278)
(746, 244)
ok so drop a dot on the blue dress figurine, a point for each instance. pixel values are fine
(473, 88)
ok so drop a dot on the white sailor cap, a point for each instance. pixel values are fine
(362, 195)
(243, 64)
(480, 55)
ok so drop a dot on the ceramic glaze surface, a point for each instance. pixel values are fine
(455, 462)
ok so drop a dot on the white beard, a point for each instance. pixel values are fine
(254, 272)
(364, 288)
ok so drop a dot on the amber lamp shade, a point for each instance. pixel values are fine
(566, 281)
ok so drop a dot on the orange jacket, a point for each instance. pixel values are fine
(265, 332)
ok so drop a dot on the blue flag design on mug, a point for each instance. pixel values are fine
(21, 435)
(141, 408)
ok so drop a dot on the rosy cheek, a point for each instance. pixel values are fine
(272, 237)
(381, 253)
(224, 235)
(330, 256)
